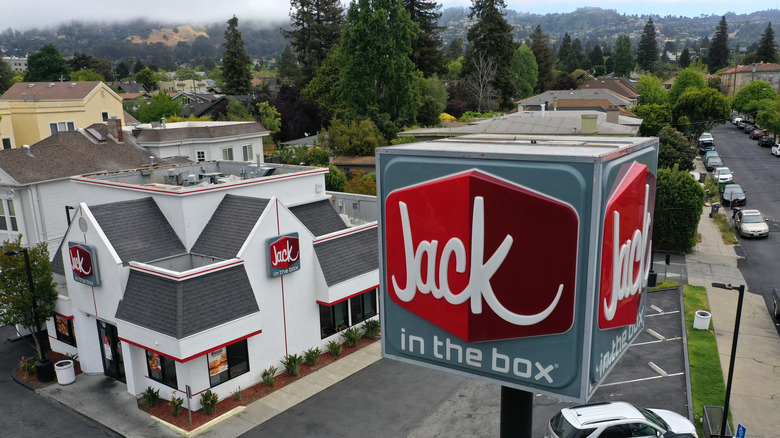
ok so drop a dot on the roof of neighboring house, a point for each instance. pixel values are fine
(50, 91)
(348, 256)
(70, 153)
(129, 119)
(587, 104)
(532, 122)
(133, 88)
(195, 130)
(620, 86)
(137, 230)
(354, 161)
(307, 141)
(229, 226)
(131, 96)
(319, 217)
(760, 67)
(551, 96)
(184, 308)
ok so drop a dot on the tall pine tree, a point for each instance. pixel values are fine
(596, 56)
(766, 46)
(316, 27)
(236, 65)
(540, 45)
(718, 55)
(491, 38)
(623, 60)
(46, 65)
(647, 51)
(685, 57)
(563, 54)
(425, 49)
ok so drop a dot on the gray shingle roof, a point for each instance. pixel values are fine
(229, 226)
(319, 217)
(138, 230)
(183, 308)
(347, 257)
(146, 136)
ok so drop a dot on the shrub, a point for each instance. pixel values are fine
(334, 347)
(152, 396)
(292, 364)
(678, 205)
(312, 355)
(269, 376)
(176, 403)
(371, 328)
(238, 394)
(446, 118)
(209, 401)
(27, 365)
(351, 336)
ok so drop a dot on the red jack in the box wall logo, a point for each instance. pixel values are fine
(284, 255)
(626, 246)
(83, 263)
(481, 257)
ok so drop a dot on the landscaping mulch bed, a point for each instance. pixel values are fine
(54, 357)
(228, 402)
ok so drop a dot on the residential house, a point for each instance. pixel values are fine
(205, 285)
(735, 78)
(623, 87)
(202, 141)
(551, 98)
(185, 85)
(32, 111)
(18, 64)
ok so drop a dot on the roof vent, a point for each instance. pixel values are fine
(72, 84)
(50, 85)
(30, 85)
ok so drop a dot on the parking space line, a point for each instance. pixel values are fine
(643, 379)
(656, 342)
(665, 313)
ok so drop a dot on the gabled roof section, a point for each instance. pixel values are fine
(31, 91)
(137, 230)
(229, 226)
(184, 308)
(348, 256)
(70, 153)
(319, 217)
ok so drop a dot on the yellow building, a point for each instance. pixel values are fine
(32, 111)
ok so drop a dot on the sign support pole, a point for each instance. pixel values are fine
(517, 409)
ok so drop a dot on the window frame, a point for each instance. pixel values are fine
(247, 148)
(7, 141)
(66, 126)
(8, 216)
(227, 151)
(165, 364)
(330, 324)
(233, 357)
(105, 116)
(198, 155)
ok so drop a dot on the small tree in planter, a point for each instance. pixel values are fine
(334, 347)
(371, 328)
(176, 403)
(152, 396)
(269, 376)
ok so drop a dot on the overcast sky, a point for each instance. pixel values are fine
(25, 14)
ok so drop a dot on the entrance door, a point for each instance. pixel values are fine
(111, 349)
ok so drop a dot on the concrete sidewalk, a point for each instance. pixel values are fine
(756, 385)
(107, 401)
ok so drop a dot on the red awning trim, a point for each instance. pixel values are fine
(189, 358)
(347, 297)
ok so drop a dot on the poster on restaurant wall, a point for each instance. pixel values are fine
(107, 348)
(62, 325)
(154, 364)
(218, 362)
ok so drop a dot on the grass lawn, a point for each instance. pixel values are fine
(666, 284)
(726, 232)
(707, 385)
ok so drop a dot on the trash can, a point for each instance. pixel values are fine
(66, 372)
(715, 209)
(701, 320)
(652, 278)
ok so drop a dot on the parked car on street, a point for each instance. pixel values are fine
(775, 150)
(751, 223)
(757, 133)
(733, 195)
(617, 419)
(748, 128)
(741, 124)
(706, 136)
(766, 141)
(713, 162)
(706, 146)
(736, 120)
(723, 174)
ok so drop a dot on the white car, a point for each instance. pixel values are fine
(723, 174)
(751, 223)
(776, 150)
(736, 120)
(706, 136)
(617, 419)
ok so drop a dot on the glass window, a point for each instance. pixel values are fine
(65, 331)
(161, 369)
(61, 126)
(105, 116)
(53, 128)
(8, 215)
(227, 154)
(247, 151)
(228, 362)
(201, 155)
(363, 306)
(6, 143)
(332, 319)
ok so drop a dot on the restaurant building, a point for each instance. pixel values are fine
(204, 275)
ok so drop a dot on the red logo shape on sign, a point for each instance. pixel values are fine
(285, 252)
(81, 261)
(481, 257)
(626, 246)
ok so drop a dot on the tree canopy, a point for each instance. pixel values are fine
(700, 109)
(425, 49)
(654, 118)
(766, 46)
(161, 106)
(647, 51)
(46, 65)
(16, 299)
(678, 203)
(689, 78)
(526, 71)
(236, 65)
(718, 54)
(651, 90)
(623, 59)
(316, 27)
(543, 53)
(754, 91)
(675, 150)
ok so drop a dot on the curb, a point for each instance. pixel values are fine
(21, 381)
(204, 427)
